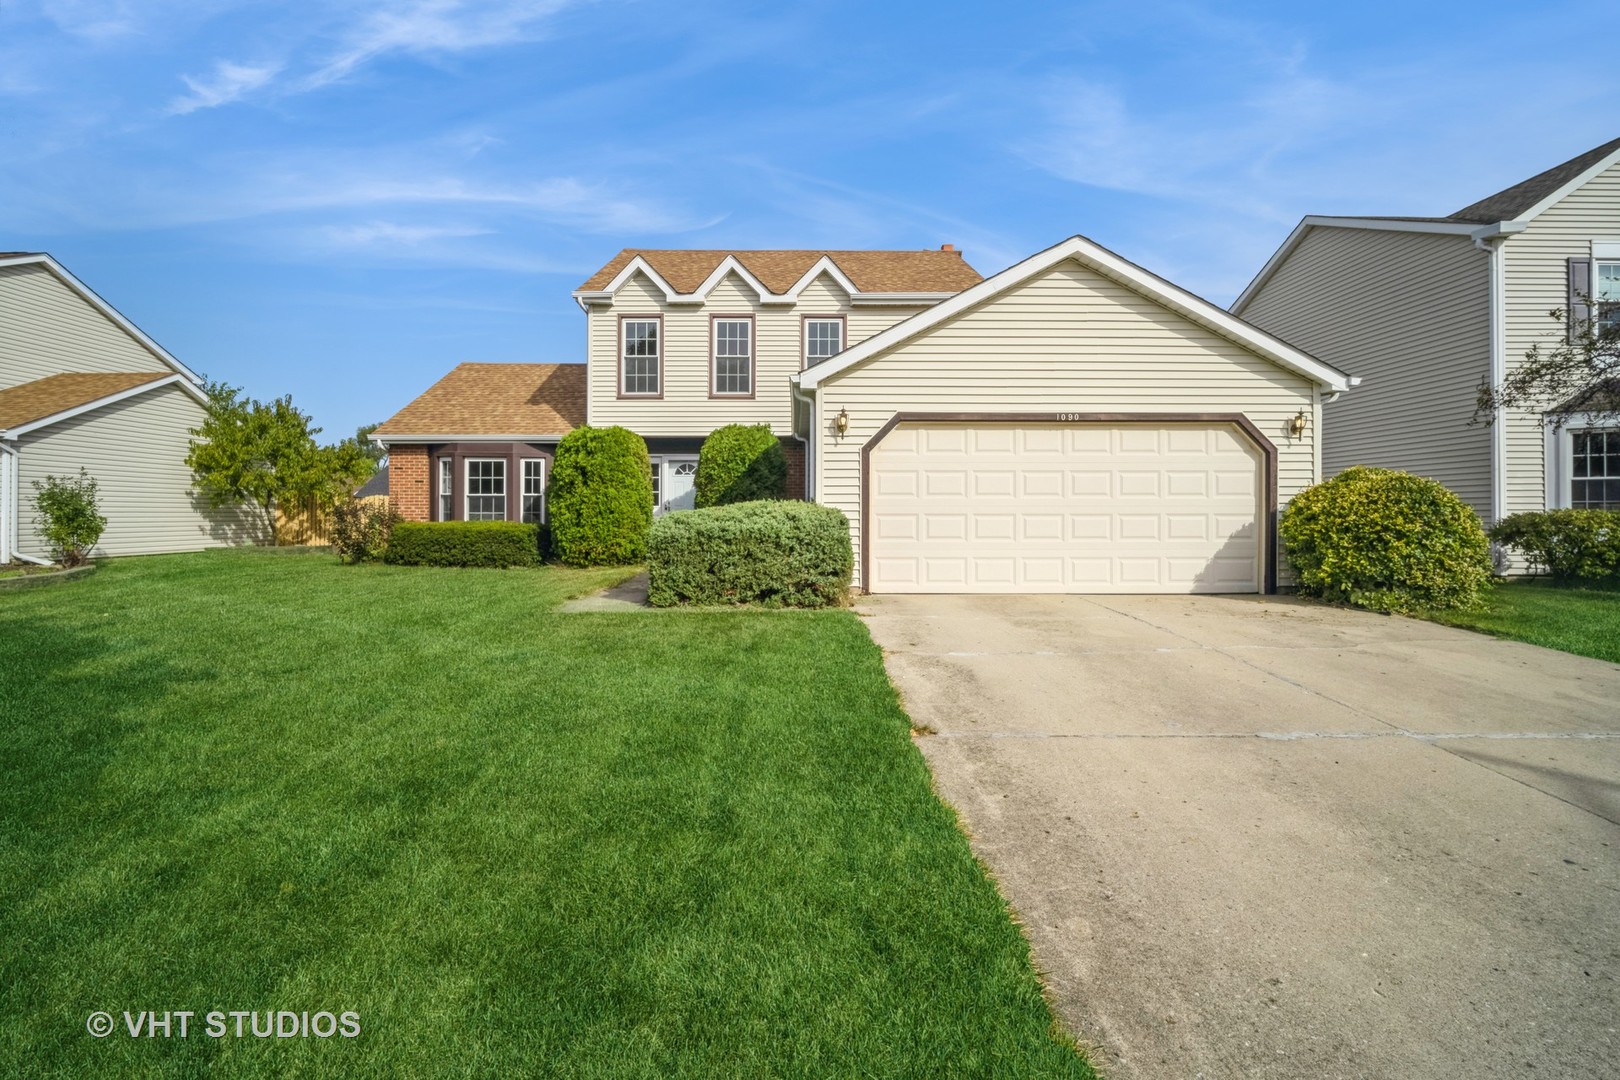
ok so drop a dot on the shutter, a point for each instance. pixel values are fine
(1580, 293)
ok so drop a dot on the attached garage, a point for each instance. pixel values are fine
(1071, 425)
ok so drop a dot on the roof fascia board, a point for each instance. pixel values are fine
(1105, 262)
(1312, 221)
(731, 264)
(904, 298)
(112, 313)
(409, 440)
(111, 399)
(824, 265)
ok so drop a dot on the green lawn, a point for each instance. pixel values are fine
(1581, 621)
(514, 842)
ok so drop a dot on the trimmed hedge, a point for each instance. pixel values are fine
(773, 553)
(740, 463)
(1386, 540)
(600, 500)
(1571, 545)
(497, 544)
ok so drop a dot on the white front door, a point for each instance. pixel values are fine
(676, 492)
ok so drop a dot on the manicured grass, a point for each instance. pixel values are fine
(515, 842)
(1581, 621)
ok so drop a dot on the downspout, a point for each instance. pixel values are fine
(1490, 240)
(809, 443)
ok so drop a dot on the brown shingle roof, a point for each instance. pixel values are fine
(58, 393)
(1508, 204)
(778, 271)
(496, 399)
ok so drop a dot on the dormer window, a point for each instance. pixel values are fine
(641, 355)
(823, 338)
(732, 353)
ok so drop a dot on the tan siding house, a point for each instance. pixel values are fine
(1427, 310)
(1073, 424)
(82, 387)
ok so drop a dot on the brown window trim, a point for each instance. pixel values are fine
(1267, 448)
(804, 335)
(618, 346)
(753, 358)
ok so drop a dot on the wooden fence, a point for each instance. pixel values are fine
(310, 522)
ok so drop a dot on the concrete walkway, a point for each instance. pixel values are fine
(1255, 838)
(628, 595)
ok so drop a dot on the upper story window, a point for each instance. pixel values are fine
(823, 338)
(641, 357)
(1595, 477)
(732, 340)
(1606, 295)
(486, 489)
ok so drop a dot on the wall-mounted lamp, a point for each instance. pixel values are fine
(841, 422)
(1296, 424)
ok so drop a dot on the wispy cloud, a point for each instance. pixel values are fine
(373, 234)
(228, 83)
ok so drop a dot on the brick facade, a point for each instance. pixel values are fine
(794, 450)
(408, 481)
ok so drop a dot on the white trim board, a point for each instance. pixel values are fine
(1099, 259)
(433, 440)
(89, 295)
(78, 410)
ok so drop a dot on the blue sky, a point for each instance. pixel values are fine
(343, 199)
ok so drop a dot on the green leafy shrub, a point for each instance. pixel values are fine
(774, 553)
(68, 518)
(361, 528)
(1386, 540)
(740, 463)
(496, 544)
(1571, 545)
(600, 501)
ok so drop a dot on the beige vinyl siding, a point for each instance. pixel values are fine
(1537, 282)
(686, 407)
(1067, 340)
(136, 450)
(1409, 313)
(46, 329)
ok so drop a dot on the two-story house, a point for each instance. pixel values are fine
(1074, 423)
(83, 387)
(1426, 310)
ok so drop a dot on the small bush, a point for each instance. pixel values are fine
(1571, 545)
(775, 553)
(361, 528)
(68, 518)
(739, 463)
(1386, 540)
(600, 502)
(497, 544)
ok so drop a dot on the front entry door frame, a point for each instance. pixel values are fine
(675, 485)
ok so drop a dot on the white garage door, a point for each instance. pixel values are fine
(1161, 508)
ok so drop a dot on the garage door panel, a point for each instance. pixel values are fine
(1077, 508)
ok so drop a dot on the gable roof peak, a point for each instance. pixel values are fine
(1514, 202)
(778, 270)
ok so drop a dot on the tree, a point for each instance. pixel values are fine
(265, 454)
(1577, 371)
(376, 452)
(69, 519)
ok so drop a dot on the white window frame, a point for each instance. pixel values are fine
(1598, 263)
(445, 501)
(657, 483)
(467, 495)
(715, 323)
(657, 357)
(805, 359)
(523, 488)
(1560, 454)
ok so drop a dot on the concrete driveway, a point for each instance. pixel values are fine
(1261, 838)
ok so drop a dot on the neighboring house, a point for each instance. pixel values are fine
(1427, 310)
(376, 487)
(82, 386)
(1072, 424)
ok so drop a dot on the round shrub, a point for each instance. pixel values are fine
(740, 463)
(776, 553)
(1386, 540)
(600, 500)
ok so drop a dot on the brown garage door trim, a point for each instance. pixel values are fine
(1267, 448)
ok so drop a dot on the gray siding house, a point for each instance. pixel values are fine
(1426, 310)
(82, 386)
